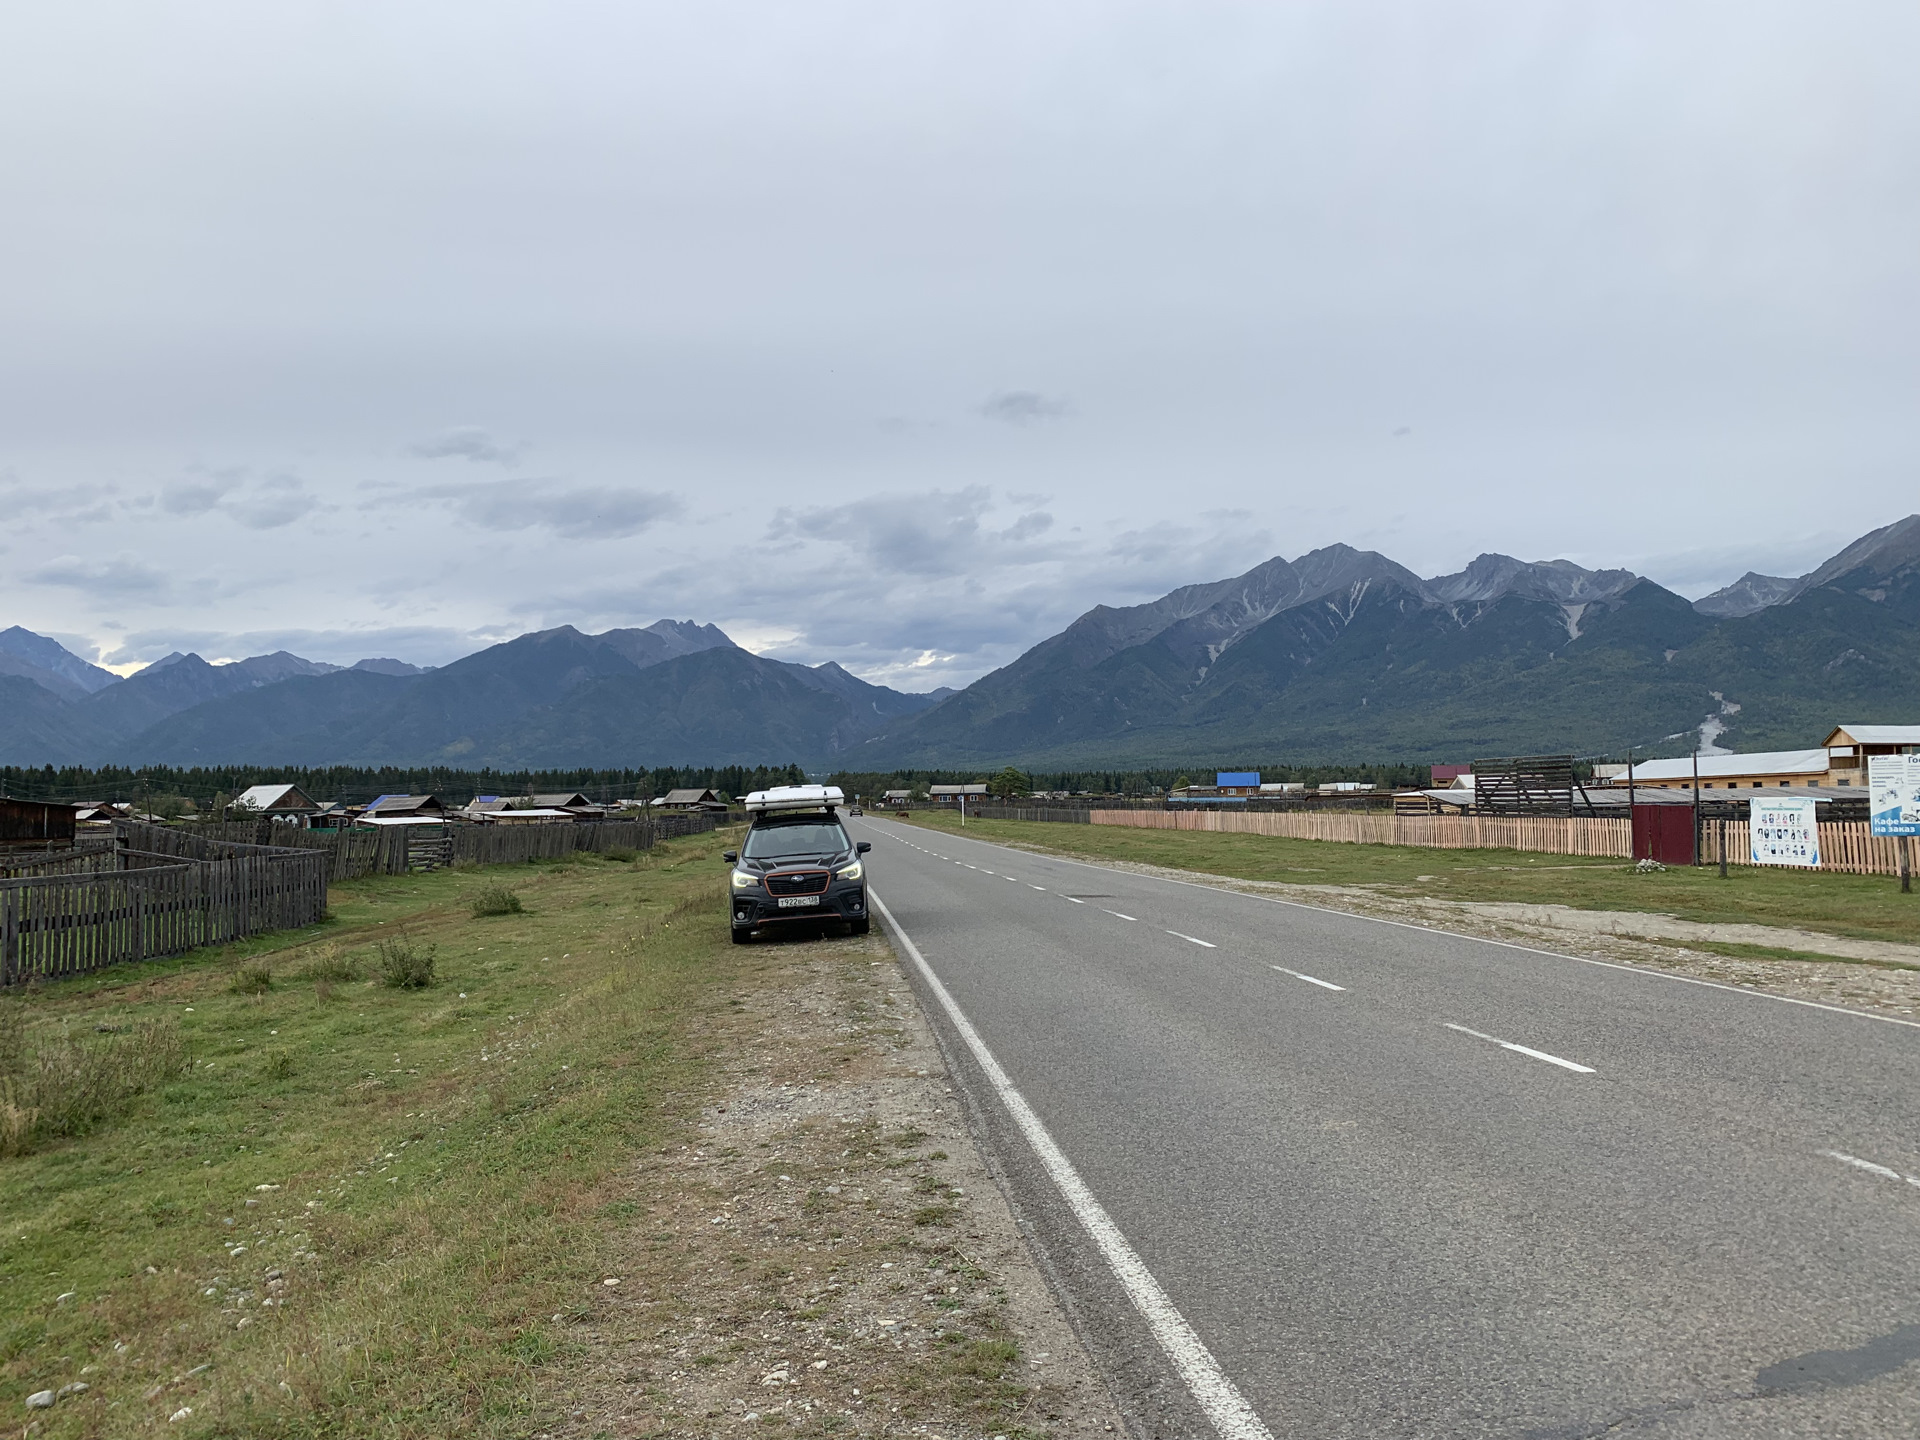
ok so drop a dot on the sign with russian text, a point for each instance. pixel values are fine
(1783, 831)
(1893, 794)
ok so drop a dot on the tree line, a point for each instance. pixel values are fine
(162, 787)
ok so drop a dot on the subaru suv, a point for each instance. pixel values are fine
(797, 864)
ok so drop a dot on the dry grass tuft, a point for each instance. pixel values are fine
(60, 1086)
(330, 967)
(252, 978)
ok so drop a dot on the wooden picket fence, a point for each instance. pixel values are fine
(1847, 846)
(170, 893)
(1544, 834)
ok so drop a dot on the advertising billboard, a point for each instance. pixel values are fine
(1782, 831)
(1893, 794)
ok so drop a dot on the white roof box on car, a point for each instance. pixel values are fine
(796, 797)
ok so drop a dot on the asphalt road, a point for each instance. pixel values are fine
(1405, 1183)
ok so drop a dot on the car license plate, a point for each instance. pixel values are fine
(787, 902)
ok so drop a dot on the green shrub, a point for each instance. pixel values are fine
(279, 1066)
(624, 854)
(406, 966)
(252, 978)
(497, 900)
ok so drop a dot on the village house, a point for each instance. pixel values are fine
(404, 810)
(287, 803)
(692, 800)
(956, 794)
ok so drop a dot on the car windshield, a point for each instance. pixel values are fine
(786, 841)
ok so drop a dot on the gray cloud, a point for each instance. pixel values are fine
(1021, 407)
(272, 504)
(577, 512)
(123, 575)
(192, 499)
(466, 443)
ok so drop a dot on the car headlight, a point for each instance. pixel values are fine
(745, 880)
(850, 872)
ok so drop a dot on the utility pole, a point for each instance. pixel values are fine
(1696, 804)
(1633, 848)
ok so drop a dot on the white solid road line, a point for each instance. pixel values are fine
(1217, 1396)
(1323, 984)
(1524, 1050)
(1867, 1165)
(1194, 938)
(1116, 912)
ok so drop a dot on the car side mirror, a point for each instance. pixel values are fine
(729, 855)
(863, 847)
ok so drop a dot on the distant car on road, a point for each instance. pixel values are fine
(798, 865)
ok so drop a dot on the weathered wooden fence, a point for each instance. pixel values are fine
(172, 892)
(398, 849)
(1057, 814)
(81, 859)
(159, 891)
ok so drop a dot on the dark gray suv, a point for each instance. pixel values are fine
(798, 867)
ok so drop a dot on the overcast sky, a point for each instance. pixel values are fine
(899, 334)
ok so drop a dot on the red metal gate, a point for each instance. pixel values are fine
(1664, 833)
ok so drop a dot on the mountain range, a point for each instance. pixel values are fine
(1340, 654)
(658, 695)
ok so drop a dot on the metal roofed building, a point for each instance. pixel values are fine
(1763, 770)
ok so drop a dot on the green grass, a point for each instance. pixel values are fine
(428, 1168)
(1862, 907)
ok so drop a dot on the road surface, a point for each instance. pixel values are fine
(1301, 1173)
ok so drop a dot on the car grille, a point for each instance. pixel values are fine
(797, 882)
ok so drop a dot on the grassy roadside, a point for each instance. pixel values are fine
(1858, 906)
(355, 1210)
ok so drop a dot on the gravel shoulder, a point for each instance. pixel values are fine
(824, 1249)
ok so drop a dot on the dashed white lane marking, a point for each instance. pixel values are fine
(1116, 912)
(1195, 939)
(1884, 1172)
(1077, 902)
(1323, 984)
(1031, 886)
(1524, 1050)
(1218, 1397)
